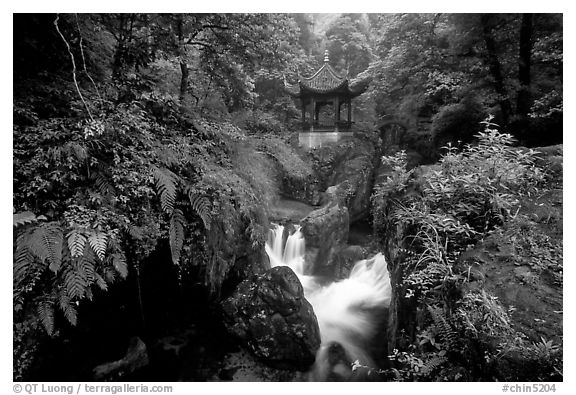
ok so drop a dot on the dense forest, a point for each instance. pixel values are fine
(154, 155)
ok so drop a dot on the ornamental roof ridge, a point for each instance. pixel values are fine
(324, 80)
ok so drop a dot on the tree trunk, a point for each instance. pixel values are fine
(495, 67)
(524, 63)
(182, 59)
(183, 80)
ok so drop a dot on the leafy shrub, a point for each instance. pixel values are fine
(443, 210)
(110, 189)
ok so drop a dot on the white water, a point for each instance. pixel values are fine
(345, 309)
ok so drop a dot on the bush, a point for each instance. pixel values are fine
(443, 211)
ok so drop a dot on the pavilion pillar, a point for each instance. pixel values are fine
(349, 102)
(336, 113)
(303, 114)
(312, 113)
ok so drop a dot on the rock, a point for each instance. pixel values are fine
(136, 358)
(346, 259)
(326, 229)
(271, 317)
(353, 180)
(327, 225)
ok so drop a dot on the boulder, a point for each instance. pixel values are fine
(325, 230)
(136, 358)
(327, 225)
(273, 320)
(353, 181)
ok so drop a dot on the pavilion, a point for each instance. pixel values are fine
(324, 88)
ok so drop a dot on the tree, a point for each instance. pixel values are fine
(348, 44)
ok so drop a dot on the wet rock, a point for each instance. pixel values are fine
(136, 358)
(327, 225)
(353, 181)
(273, 320)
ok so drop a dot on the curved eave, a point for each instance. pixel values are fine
(360, 86)
(292, 90)
(342, 87)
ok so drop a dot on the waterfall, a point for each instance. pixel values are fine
(347, 309)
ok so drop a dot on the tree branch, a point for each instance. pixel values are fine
(84, 60)
(73, 66)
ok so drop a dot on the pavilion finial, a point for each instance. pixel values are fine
(326, 59)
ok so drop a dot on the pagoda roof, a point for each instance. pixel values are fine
(324, 81)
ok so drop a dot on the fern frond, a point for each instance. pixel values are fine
(102, 185)
(76, 242)
(45, 311)
(23, 218)
(89, 294)
(119, 263)
(446, 332)
(166, 184)
(67, 307)
(201, 205)
(98, 242)
(100, 282)
(75, 282)
(110, 275)
(177, 223)
(86, 264)
(432, 364)
(77, 150)
(25, 265)
(45, 242)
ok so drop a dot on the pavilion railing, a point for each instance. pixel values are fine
(327, 126)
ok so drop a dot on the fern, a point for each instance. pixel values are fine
(166, 183)
(102, 185)
(100, 282)
(98, 242)
(110, 273)
(201, 205)
(67, 307)
(75, 281)
(177, 223)
(24, 218)
(74, 149)
(25, 265)
(119, 263)
(45, 311)
(446, 332)
(76, 242)
(433, 363)
(46, 243)
(85, 266)
(35, 247)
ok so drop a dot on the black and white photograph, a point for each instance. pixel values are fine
(286, 197)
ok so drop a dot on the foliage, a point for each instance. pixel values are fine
(431, 65)
(444, 210)
(64, 265)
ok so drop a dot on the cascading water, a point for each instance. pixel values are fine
(346, 310)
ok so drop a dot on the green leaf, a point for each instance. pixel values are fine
(166, 183)
(45, 311)
(76, 242)
(119, 262)
(75, 282)
(98, 242)
(23, 218)
(177, 222)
